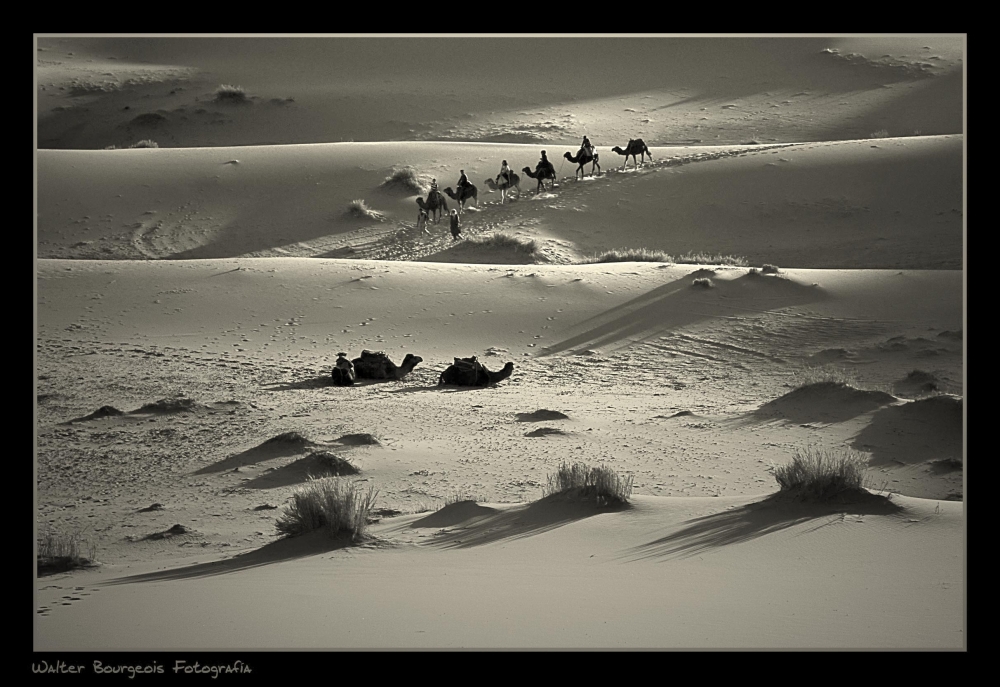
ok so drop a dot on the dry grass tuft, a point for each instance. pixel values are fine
(819, 475)
(703, 282)
(407, 178)
(502, 241)
(881, 133)
(629, 255)
(328, 503)
(358, 208)
(227, 93)
(603, 483)
(712, 259)
(63, 552)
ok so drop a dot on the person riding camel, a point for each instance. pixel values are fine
(463, 181)
(587, 147)
(505, 173)
(543, 163)
(434, 190)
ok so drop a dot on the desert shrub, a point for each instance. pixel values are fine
(502, 241)
(603, 483)
(703, 282)
(712, 259)
(819, 475)
(881, 133)
(358, 208)
(228, 93)
(328, 503)
(407, 178)
(769, 269)
(835, 374)
(630, 255)
(145, 143)
(62, 552)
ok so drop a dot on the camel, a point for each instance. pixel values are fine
(378, 366)
(583, 158)
(635, 147)
(469, 191)
(435, 204)
(470, 372)
(542, 175)
(504, 188)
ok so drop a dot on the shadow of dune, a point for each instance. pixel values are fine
(758, 519)
(276, 552)
(677, 304)
(477, 526)
(300, 471)
(914, 432)
(823, 402)
(320, 382)
(272, 448)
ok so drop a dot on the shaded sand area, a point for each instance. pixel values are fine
(678, 385)
(191, 300)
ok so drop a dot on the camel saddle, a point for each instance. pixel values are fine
(467, 363)
(369, 360)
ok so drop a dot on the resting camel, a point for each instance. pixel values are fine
(634, 147)
(469, 191)
(470, 372)
(435, 204)
(378, 366)
(504, 188)
(583, 158)
(543, 174)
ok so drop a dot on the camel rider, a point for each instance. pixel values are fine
(434, 189)
(543, 163)
(587, 147)
(505, 173)
(463, 181)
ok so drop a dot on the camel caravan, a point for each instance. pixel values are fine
(507, 181)
(377, 366)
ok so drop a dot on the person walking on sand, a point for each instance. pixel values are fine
(456, 228)
(422, 221)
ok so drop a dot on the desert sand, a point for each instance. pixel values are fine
(191, 300)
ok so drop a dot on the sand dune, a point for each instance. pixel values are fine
(191, 300)
(845, 204)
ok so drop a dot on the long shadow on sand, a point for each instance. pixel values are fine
(320, 382)
(276, 447)
(679, 303)
(281, 550)
(751, 521)
(470, 524)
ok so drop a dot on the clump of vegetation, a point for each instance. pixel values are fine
(227, 93)
(407, 178)
(358, 208)
(502, 241)
(61, 553)
(712, 259)
(703, 282)
(329, 503)
(881, 133)
(820, 475)
(145, 143)
(835, 374)
(630, 255)
(602, 483)
(769, 269)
